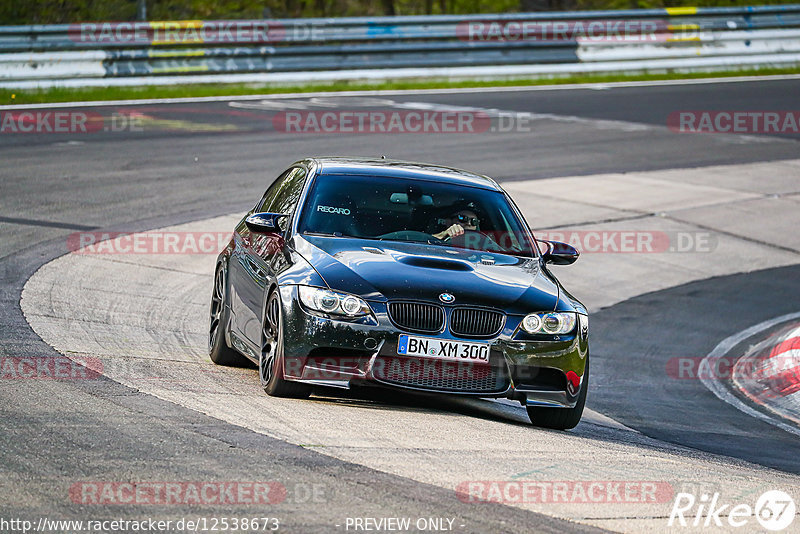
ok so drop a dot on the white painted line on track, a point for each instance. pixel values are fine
(399, 92)
(722, 393)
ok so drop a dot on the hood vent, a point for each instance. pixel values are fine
(436, 263)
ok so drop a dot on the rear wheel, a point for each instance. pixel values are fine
(218, 349)
(271, 363)
(561, 418)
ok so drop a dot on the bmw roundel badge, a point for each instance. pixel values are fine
(447, 298)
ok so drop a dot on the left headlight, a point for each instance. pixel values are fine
(549, 322)
(332, 302)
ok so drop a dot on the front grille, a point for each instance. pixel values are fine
(442, 375)
(417, 316)
(475, 322)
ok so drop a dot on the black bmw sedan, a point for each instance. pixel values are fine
(371, 272)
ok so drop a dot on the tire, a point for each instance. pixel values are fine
(561, 418)
(218, 349)
(270, 362)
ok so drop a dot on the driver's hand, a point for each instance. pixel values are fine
(453, 231)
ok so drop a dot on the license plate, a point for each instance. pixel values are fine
(443, 349)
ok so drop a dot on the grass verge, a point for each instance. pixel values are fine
(37, 96)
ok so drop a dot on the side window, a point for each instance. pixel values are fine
(265, 202)
(289, 195)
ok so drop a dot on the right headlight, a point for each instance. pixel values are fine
(332, 302)
(549, 322)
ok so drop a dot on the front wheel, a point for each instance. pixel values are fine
(270, 362)
(561, 418)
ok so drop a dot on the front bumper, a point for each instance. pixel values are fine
(536, 370)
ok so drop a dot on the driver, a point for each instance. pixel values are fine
(457, 223)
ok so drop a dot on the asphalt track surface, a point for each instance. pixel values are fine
(683, 411)
(57, 432)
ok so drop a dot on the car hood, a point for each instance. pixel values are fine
(390, 270)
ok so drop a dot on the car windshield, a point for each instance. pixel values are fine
(397, 209)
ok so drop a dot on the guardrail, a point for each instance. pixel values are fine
(452, 46)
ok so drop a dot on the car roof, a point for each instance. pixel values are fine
(401, 169)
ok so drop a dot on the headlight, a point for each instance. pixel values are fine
(549, 323)
(332, 302)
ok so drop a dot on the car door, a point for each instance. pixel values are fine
(240, 268)
(259, 252)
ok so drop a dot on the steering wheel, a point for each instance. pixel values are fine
(485, 241)
(411, 235)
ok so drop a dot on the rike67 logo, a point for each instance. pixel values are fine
(774, 510)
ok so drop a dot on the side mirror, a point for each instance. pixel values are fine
(559, 253)
(266, 223)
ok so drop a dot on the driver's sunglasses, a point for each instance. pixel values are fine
(469, 221)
